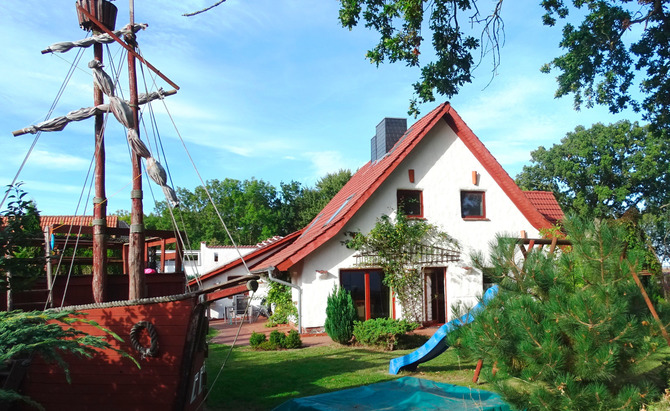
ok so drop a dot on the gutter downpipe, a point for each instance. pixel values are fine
(270, 270)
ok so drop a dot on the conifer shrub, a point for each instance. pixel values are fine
(566, 331)
(277, 340)
(292, 340)
(340, 316)
(257, 339)
(382, 332)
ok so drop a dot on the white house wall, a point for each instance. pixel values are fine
(211, 258)
(442, 166)
(217, 309)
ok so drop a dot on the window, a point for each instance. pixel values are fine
(339, 209)
(409, 203)
(372, 298)
(216, 257)
(472, 204)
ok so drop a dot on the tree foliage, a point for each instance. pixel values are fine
(396, 247)
(399, 24)
(615, 41)
(566, 331)
(315, 199)
(605, 171)
(280, 298)
(18, 224)
(253, 210)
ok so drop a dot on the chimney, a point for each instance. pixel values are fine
(389, 131)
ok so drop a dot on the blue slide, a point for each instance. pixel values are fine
(438, 342)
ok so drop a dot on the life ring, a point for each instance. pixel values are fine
(152, 349)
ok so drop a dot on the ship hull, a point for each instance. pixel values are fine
(172, 379)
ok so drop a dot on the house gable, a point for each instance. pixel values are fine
(346, 203)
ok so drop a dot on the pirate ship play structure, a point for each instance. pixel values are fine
(163, 327)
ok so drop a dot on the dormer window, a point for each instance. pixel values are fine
(410, 203)
(473, 205)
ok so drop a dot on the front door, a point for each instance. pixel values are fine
(435, 297)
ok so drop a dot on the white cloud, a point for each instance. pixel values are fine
(59, 161)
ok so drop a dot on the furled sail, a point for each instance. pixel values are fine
(124, 114)
(105, 38)
(59, 123)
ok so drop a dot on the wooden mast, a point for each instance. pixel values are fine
(136, 288)
(100, 200)
(106, 13)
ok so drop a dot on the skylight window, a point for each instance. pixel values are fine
(338, 210)
(311, 225)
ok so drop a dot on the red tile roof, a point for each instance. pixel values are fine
(51, 220)
(369, 177)
(270, 249)
(546, 203)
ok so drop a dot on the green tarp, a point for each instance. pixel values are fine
(407, 393)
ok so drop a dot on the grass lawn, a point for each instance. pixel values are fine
(261, 380)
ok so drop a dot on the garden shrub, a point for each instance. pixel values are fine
(277, 338)
(279, 296)
(257, 339)
(267, 346)
(382, 332)
(340, 316)
(292, 340)
(276, 341)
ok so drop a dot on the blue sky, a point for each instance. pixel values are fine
(270, 89)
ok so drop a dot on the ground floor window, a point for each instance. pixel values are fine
(372, 298)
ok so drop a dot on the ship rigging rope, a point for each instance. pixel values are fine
(67, 238)
(74, 253)
(66, 81)
(204, 186)
(159, 143)
(230, 350)
(76, 246)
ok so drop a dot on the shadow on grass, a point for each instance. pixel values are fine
(259, 380)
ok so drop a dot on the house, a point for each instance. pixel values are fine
(208, 258)
(237, 267)
(436, 170)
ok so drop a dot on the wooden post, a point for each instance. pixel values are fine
(47, 256)
(178, 261)
(136, 283)
(10, 303)
(99, 283)
(163, 255)
(478, 369)
(649, 304)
